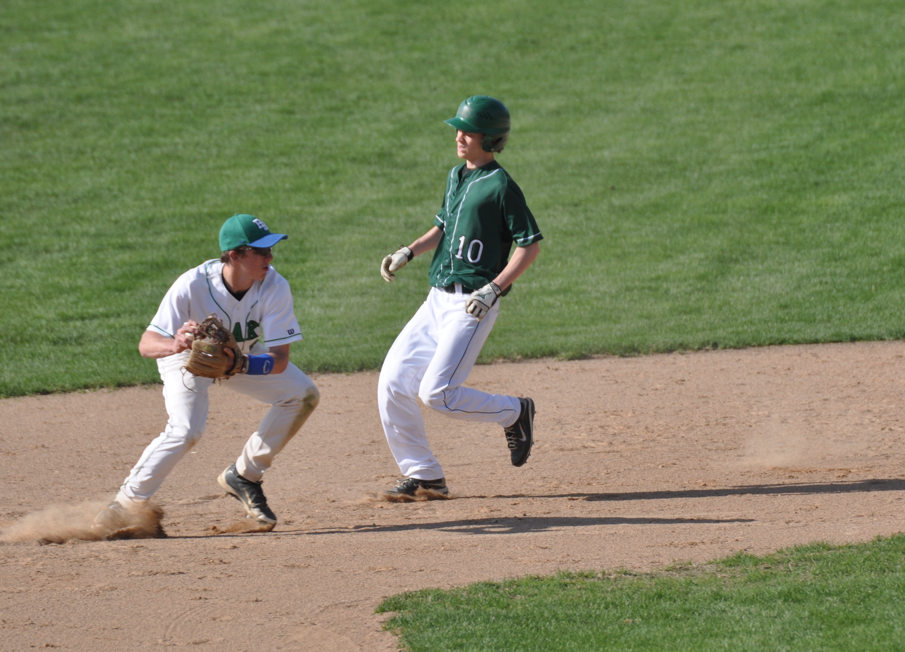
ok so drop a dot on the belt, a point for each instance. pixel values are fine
(451, 289)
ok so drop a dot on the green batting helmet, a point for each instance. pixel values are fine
(482, 114)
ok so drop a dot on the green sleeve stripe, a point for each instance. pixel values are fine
(281, 339)
(161, 331)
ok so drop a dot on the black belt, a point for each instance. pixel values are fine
(451, 289)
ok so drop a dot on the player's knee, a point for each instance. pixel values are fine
(433, 398)
(391, 384)
(187, 435)
(312, 396)
(304, 396)
(194, 435)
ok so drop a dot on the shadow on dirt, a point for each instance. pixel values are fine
(784, 489)
(524, 524)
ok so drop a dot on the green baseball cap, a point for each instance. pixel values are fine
(243, 230)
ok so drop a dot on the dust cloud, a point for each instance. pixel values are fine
(62, 523)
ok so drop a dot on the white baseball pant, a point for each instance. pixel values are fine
(292, 396)
(431, 359)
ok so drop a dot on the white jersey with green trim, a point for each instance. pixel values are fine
(265, 313)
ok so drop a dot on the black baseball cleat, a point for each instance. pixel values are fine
(248, 493)
(408, 487)
(520, 435)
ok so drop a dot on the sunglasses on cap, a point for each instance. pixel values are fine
(266, 251)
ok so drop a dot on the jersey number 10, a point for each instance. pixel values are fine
(475, 249)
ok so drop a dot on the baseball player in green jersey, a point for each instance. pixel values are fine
(482, 215)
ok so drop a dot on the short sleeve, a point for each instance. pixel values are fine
(519, 218)
(174, 309)
(278, 321)
(441, 216)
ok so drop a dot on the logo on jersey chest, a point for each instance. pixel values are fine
(251, 331)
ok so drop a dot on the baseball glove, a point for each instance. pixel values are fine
(209, 357)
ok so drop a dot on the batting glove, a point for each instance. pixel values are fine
(394, 262)
(481, 301)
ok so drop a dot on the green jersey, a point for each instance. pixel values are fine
(483, 213)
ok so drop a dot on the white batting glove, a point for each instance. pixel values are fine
(394, 262)
(481, 301)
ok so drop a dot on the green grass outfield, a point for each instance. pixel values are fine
(808, 598)
(706, 174)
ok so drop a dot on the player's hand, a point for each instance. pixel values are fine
(481, 300)
(184, 336)
(394, 262)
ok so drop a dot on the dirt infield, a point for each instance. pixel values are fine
(639, 462)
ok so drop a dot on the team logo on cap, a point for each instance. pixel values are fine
(260, 224)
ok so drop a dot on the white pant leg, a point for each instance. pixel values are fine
(397, 396)
(460, 342)
(186, 399)
(292, 397)
(291, 394)
(430, 359)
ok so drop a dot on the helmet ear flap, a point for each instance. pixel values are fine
(494, 143)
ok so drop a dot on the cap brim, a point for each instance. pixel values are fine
(461, 125)
(268, 240)
(468, 128)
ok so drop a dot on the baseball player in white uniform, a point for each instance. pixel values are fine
(482, 215)
(255, 303)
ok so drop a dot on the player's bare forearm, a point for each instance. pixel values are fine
(280, 355)
(427, 242)
(521, 260)
(154, 345)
